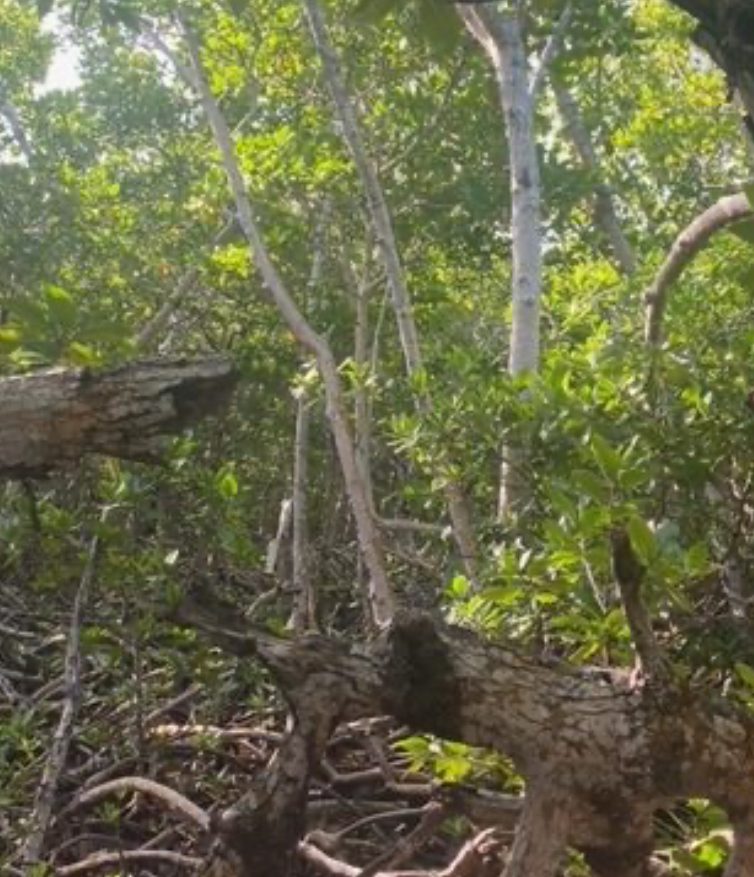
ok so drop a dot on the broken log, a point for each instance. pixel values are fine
(599, 753)
(52, 418)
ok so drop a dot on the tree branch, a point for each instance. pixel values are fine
(605, 213)
(52, 418)
(44, 800)
(686, 246)
(380, 596)
(551, 51)
(174, 801)
(382, 225)
(629, 574)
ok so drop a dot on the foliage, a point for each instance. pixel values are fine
(122, 199)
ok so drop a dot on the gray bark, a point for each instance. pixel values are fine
(598, 754)
(605, 213)
(53, 418)
(689, 242)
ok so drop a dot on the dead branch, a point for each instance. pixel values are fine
(104, 859)
(52, 418)
(44, 800)
(173, 800)
(480, 857)
(614, 752)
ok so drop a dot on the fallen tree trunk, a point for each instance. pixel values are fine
(599, 754)
(54, 417)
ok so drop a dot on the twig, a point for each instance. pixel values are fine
(41, 815)
(101, 859)
(409, 525)
(479, 857)
(176, 802)
(405, 847)
(184, 288)
(189, 694)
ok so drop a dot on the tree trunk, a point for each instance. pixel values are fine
(53, 418)
(380, 597)
(303, 613)
(604, 208)
(598, 753)
(499, 34)
(382, 226)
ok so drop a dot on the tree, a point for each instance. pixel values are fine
(620, 589)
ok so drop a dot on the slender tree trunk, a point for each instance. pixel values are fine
(605, 214)
(499, 34)
(382, 224)
(380, 597)
(362, 407)
(303, 615)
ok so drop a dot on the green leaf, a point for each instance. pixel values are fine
(743, 229)
(745, 674)
(61, 304)
(227, 484)
(453, 768)
(9, 335)
(440, 23)
(82, 355)
(459, 588)
(372, 11)
(590, 484)
(642, 539)
(607, 459)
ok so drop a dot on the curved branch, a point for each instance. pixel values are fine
(173, 800)
(689, 242)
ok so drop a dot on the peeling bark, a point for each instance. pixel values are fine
(53, 418)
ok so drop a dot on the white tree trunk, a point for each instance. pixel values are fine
(499, 34)
(303, 613)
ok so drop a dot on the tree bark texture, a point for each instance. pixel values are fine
(599, 754)
(52, 418)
